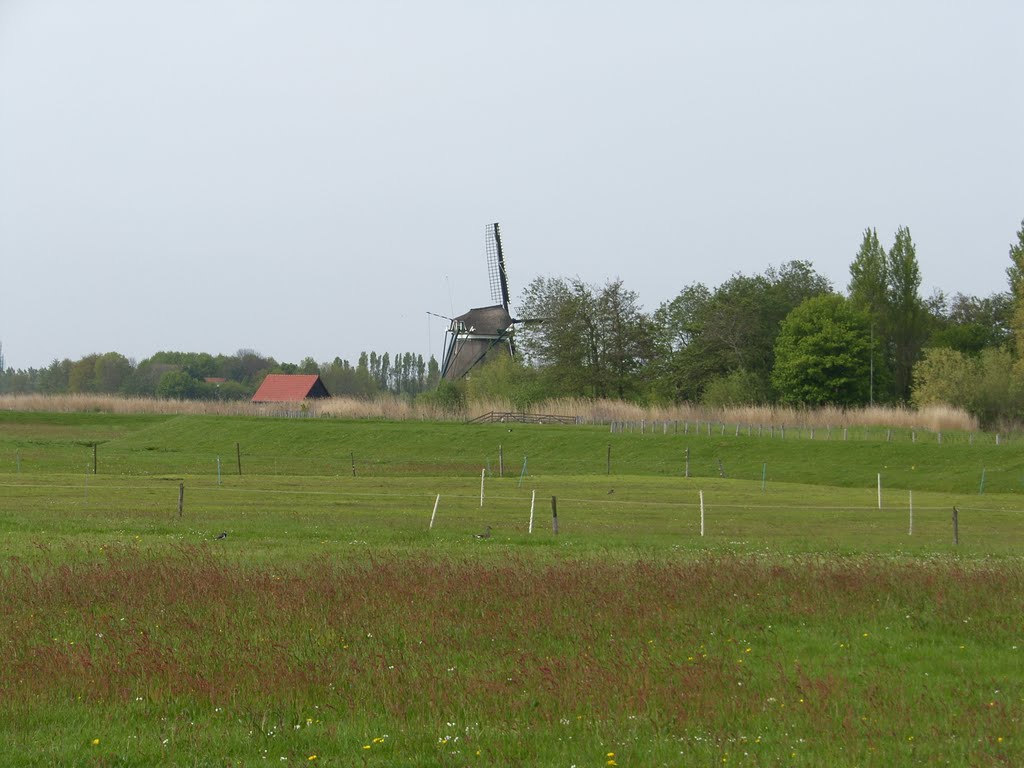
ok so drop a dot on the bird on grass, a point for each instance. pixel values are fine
(485, 535)
(222, 535)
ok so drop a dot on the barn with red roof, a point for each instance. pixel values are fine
(290, 388)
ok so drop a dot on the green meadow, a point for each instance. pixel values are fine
(715, 594)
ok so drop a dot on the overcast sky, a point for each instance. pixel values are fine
(311, 177)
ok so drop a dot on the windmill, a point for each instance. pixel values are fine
(484, 330)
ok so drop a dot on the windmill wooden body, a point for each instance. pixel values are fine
(483, 331)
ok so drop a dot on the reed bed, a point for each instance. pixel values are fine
(393, 408)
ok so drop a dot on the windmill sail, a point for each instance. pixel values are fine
(496, 274)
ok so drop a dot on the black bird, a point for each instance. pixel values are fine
(222, 535)
(485, 535)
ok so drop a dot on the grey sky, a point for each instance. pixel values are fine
(310, 177)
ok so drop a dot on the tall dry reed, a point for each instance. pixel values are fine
(393, 408)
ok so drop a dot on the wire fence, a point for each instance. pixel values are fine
(690, 515)
(716, 428)
(985, 468)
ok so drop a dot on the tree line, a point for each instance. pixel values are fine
(784, 336)
(202, 376)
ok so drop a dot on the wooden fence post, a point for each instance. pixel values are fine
(181, 498)
(554, 515)
(238, 455)
(956, 527)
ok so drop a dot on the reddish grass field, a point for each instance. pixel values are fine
(405, 660)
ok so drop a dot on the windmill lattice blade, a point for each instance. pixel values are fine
(496, 275)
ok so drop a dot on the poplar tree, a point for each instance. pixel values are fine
(908, 318)
(1015, 272)
(886, 286)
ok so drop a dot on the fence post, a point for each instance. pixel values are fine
(238, 455)
(181, 498)
(94, 465)
(956, 527)
(554, 515)
(434, 513)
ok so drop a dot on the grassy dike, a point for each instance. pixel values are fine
(806, 627)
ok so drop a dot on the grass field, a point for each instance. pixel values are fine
(334, 626)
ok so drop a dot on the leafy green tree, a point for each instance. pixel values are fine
(55, 379)
(433, 373)
(822, 354)
(504, 377)
(886, 286)
(985, 384)
(869, 277)
(82, 378)
(565, 344)
(448, 396)
(740, 387)
(112, 372)
(178, 385)
(627, 339)
(705, 336)
(247, 366)
(682, 364)
(908, 320)
(593, 341)
(943, 376)
(970, 324)
(1015, 272)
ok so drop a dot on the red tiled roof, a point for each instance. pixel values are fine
(289, 388)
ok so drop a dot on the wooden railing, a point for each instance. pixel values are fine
(522, 418)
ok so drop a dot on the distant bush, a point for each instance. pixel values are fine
(985, 385)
